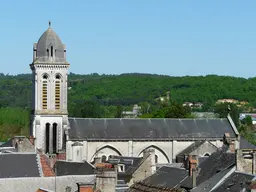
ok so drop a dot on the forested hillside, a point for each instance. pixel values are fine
(127, 89)
(96, 95)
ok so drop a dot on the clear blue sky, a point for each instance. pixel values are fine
(149, 36)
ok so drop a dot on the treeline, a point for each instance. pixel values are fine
(128, 89)
(95, 95)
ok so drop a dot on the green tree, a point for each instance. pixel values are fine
(247, 120)
(119, 111)
(172, 110)
(223, 109)
(91, 109)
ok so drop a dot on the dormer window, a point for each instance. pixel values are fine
(121, 168)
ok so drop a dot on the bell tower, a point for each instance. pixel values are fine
(49, 117)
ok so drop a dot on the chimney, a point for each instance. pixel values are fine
(106, 177)
(229, 143)
(85, 187)
(192, 160)
(192, 163)
(150, 153)
(32, 139)
(194, 174)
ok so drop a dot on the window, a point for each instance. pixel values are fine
(57, 94)
(103, 158)
(121, 168)
(44, 91)
(51, 51)
(47, 137)
(156, 159)
(54, 137)
(57, 76)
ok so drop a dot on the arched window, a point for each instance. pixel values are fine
(51, 51)
(47, 137)
(54, 137)
(156, 159)
(44, 91)
(103, 159)
(57, 91)
(207, 155)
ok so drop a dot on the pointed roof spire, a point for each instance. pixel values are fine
(50, 23)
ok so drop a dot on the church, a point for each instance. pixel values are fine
(83, 139)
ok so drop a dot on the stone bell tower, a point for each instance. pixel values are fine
(49, 116)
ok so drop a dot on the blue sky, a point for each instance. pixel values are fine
(116, 36)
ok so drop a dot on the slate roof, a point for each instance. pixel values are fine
(19, 165)
(73, 168)
(212, 182)
(148, 129)
(8, 143)
(131, 164)
(244, 144)
(47, 39)
(191, 148)
(235, 182)
(165, 179)
(217, 162)
(121, 186)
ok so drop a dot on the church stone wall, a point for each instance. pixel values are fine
(165, 151)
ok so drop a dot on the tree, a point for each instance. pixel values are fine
(247, 120)
(119, 111)
(91, 109)
(223, 109)
(172, 110)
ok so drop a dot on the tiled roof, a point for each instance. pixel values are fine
(8, 143)
(217, 162)
(235, 182)
(131, 164)
(19, 165)
(191, 148)
(73, 168)
(213, 181)
(121, 186)
(144, 129)
(140, 186)
(46, 168)
(244, 144)
(165, 179)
